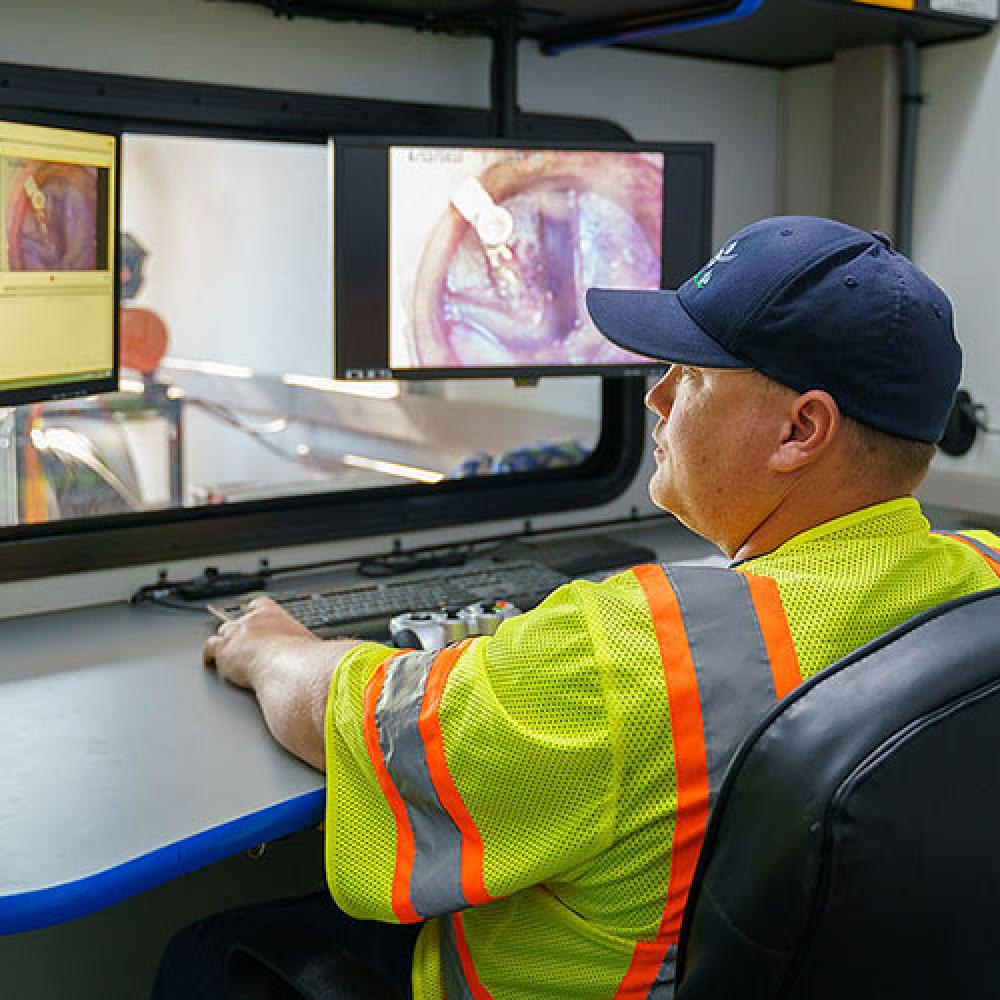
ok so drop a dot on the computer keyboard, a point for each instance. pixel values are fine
(370, 605)
(522, 573)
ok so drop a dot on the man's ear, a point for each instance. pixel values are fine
(811, 425)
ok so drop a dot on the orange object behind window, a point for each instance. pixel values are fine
(143, 339)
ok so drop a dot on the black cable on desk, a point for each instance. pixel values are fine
(476, 547)
(174, 605)
(209, 586)
(408, 562)
(212, 584)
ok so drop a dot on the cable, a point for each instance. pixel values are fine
(209, 585)
(479, 546)
(981, 416)
(407, 562)
(167, 602)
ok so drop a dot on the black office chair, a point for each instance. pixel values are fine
(854, 848)
(296, 963)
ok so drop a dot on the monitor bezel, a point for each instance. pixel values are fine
(672, 272)
(52, 392)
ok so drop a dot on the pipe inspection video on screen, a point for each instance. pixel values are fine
(491, 251)
(472, 260)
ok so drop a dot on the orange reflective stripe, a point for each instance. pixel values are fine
(692, 775)
(777, 635)
(429, 725)
(994, 564)
(402, 905)
(476, 988)
(647, 959)
(689, 746)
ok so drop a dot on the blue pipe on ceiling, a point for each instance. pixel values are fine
(743, 10)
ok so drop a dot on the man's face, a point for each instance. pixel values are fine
(716, 431)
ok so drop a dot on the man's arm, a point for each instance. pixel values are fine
(287, 668)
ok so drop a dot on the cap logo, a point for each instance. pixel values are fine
(704, 276)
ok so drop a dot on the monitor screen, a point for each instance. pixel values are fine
(473, 259)
(58, 280)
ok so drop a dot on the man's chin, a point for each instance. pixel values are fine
(669, 503)
(661, 494)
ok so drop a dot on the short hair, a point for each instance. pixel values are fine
(897, 461)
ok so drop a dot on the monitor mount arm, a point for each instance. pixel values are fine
(503, 76)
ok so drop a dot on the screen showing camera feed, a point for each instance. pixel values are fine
(492, 252)
(56, 281)
(51, 211)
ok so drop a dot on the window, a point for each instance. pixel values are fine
(229, 431)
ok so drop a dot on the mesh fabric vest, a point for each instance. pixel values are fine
(538, 798)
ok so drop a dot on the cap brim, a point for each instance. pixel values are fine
(655, 323)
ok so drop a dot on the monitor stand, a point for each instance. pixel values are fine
(8, 466)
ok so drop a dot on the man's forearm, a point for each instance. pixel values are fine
(293, 690)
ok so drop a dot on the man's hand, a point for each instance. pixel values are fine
(238, 650)
(287, 668)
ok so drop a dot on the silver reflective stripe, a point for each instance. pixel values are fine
(735, 683)
(455, 986)
(981, 547)
(663, 987)
(436, 881)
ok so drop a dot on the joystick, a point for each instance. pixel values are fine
(436, 629)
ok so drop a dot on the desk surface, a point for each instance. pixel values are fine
(125, 763)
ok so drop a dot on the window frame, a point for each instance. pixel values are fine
(124, 104)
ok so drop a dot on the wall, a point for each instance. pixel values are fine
(806, 141)
(658, 97)
(957, 219)
(655, 97)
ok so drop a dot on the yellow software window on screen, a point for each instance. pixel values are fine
(57, 281)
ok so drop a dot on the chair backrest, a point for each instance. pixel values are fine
(854, 848)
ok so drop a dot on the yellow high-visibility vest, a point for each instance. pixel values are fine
(538, 798)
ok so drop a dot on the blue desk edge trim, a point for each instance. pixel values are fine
(43, 907)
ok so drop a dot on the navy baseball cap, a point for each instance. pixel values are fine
(812, 304)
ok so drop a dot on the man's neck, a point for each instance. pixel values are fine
(789, 519)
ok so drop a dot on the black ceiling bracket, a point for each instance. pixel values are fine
(503, 76)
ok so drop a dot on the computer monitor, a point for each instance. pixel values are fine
(472, 258)
(58, 276)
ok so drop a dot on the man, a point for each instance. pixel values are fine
(537, 799)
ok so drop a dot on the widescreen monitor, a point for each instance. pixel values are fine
(58, 277)
(472, 259)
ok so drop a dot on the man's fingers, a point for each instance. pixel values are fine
(213, 644)
(208, 651)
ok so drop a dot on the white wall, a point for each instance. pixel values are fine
(242, 46)
(806, 141)
(660, 97)
(957, 222)
(238, 237)
(655, 97)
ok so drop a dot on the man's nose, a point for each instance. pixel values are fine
(660, 397)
